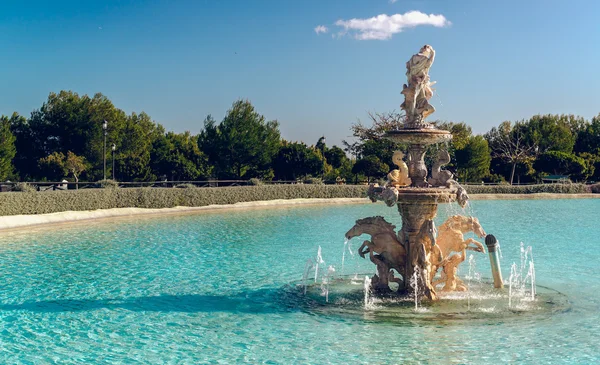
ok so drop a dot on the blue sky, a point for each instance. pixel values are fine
(181, 60)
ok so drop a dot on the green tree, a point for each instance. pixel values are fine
(370, 166)
(588, 138)
(75, 165)
(295, 160)
(70, 122)
(132, 160)
(336, 157)
(53, 166)
(473, 161)
(242, 145)
(178, 158)
(7, 149)
(561, 163)
(551, 132)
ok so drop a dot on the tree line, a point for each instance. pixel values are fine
(65, 138)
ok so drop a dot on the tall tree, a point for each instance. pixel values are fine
(177, 157)
(295, 160)
(473, 160)
(7, 149)
(243, 144)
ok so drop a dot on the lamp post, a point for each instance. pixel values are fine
(113, 169)
(105, 128)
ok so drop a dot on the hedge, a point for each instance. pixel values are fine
(14, 203)
(529, 189)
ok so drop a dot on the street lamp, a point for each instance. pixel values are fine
(113, 169)
(105, 128)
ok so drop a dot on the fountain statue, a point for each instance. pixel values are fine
(417, 251)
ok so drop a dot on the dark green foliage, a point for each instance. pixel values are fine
(7, 149)
(296, 160)
(370, 167)
(242, 145)
(14, 203)
(473, 159)
(560, 163)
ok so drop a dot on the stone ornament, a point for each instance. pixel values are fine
(399, 177)
(439, 177)
(418, 91)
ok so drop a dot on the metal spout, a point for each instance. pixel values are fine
(492, 244)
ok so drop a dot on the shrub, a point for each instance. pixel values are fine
(108, 184)
(255, 181)
(12, 203)
(314, 181)
(185, 186)
(528, 189)
(24, 187)
(595, 188)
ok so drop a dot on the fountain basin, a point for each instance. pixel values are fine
(418, 136)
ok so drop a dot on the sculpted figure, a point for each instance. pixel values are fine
(453, 247)
(440, 177)
(399, 177)
(384, 249)
(418, 91)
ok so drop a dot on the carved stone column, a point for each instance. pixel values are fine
(415, 210)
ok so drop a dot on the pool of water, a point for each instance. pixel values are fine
(215, 288)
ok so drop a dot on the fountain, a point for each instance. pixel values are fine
(417, 247)
(419, 264)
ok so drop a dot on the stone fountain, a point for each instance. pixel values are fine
(417, 252)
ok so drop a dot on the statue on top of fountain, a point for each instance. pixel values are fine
(418, 91)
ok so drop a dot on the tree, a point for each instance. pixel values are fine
(560, 163)
(336, 157)
(70, 122)
(243, 144)
(75, 165)
(177, 157)
(296, 160)
(134, 147)
(370, 166)
(508, 143)
(370, 141)
(7, 149)
(53, 166)
(588, 138)
(473, 160)
(551, 132)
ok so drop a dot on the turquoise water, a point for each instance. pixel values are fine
(213, 288)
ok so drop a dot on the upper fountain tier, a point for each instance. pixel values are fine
(417, 94)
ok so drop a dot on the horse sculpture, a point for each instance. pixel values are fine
(453, 247)
(384, 249)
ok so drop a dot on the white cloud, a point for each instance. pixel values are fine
(393, 1)
(321, 29)
(384, 26)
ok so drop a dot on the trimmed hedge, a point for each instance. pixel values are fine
(529, 189)
(14, 203)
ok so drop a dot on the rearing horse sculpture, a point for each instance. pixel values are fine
(453, 247)
(384, 248)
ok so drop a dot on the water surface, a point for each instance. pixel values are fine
(212, 288)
